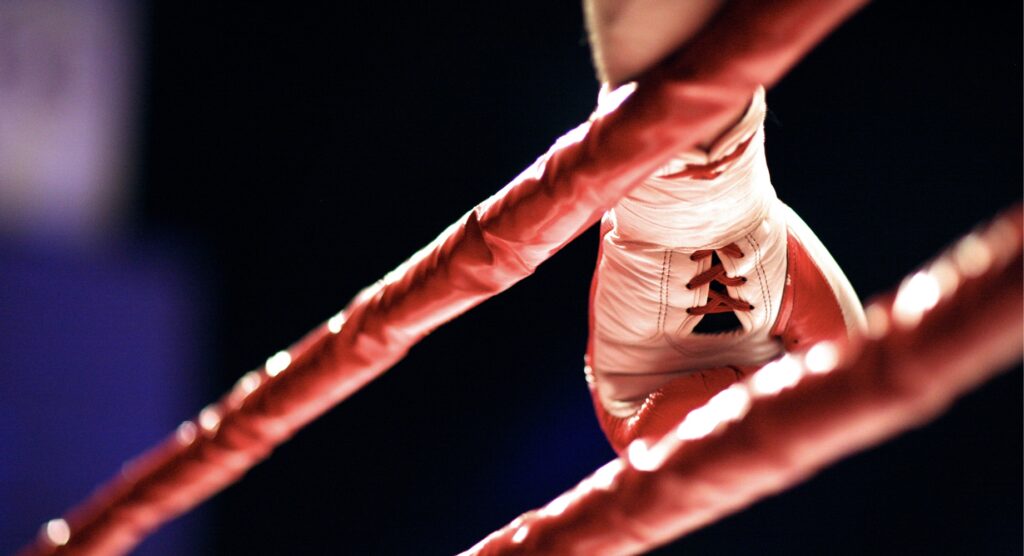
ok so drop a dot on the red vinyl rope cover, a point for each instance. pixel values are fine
(947, 329)
(501, 241)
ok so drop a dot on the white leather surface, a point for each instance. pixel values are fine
(642, 332)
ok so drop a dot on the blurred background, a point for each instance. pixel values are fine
(187, 187)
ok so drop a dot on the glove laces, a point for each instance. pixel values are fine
(719, 300)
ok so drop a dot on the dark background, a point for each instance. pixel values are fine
(300, 153)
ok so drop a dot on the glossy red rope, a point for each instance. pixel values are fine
(941, 333)
(697, 91)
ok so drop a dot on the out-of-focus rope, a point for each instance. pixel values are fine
(946, 329)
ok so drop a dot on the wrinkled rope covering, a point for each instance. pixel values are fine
(940, 334)
(501, 241)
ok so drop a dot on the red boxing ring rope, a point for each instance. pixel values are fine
(500, 242)
(947, 329)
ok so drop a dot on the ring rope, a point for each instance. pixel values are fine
(492, 247)
(942, 333)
